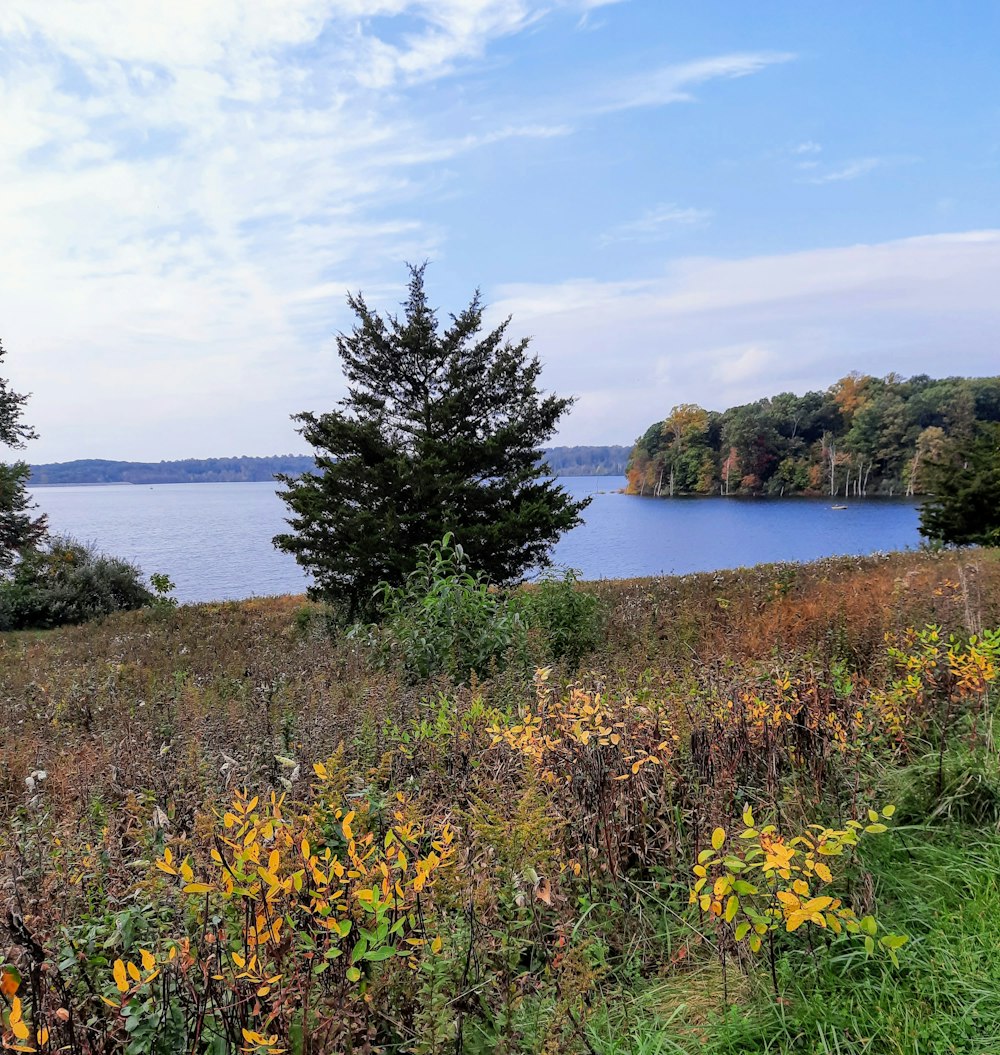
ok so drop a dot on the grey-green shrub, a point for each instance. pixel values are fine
(68, 582)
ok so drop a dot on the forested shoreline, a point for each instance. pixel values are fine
(862, 436)
(564, 461)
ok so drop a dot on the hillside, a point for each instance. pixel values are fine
(564, 461)
(862, 436)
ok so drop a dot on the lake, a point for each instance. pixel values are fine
(214, 540)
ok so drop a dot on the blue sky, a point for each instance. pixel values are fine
(680, 202)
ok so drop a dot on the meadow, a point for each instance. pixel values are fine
(751, 811)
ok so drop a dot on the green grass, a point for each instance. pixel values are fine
(941, 887)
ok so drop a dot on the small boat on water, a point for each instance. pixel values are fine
(838, 507)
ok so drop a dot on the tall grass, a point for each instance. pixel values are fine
(578, 796)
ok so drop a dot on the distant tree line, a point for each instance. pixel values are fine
(587, 461)
(862, 436)
(563, 461)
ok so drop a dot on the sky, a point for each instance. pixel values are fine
(678, 202)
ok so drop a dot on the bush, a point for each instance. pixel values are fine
(570, 620)
(444, 619)
(67, 583)
(447, 620)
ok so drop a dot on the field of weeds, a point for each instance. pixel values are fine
(760, 816)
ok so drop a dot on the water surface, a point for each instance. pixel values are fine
(214, 540)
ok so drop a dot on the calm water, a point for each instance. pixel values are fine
(214, 540)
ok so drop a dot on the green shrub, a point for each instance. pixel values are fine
(570, 619)
(444, 619)
(68, 582)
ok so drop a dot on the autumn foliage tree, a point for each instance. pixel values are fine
(441, 431)
(863, 435)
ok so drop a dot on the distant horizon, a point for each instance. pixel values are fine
(262, 457)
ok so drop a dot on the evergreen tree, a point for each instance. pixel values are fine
(964, 506)
(20, 530)
(439, 431)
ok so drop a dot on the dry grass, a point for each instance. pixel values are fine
(156, 715)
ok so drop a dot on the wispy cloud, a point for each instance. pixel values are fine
(191, 188)
(850, 170)
(656, 224)
(673, 84)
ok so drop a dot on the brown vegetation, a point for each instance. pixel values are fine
(550, 813)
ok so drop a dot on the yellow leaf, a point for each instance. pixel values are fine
(320, 770)
(133, 971)
(795, 920)
(148, 959)
(437, 944)
(164, 867)
(718, 838)
(823, 872)
(198, 888)
(121, 977)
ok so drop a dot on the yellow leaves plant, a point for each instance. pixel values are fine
(764, 881)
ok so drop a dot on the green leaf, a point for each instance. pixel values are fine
(378, 955)
(894, 941)
(742, 930)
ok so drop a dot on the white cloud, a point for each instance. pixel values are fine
(720, 332)
(656, 223)
(188, 190)
(673, 84)
(850, 170)
(191, 189)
